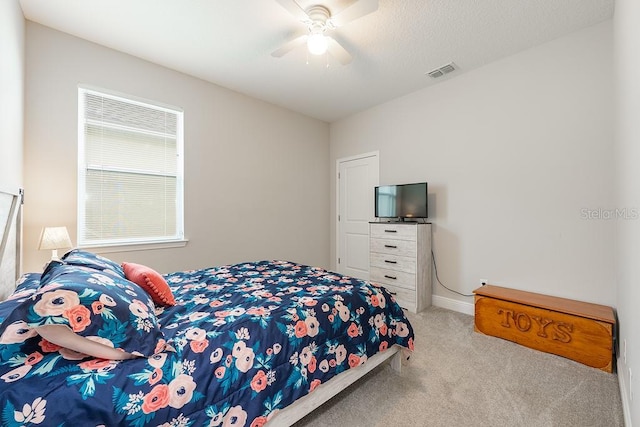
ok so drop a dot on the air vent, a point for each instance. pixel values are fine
(441, 71)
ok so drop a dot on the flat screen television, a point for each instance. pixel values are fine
(404, 201)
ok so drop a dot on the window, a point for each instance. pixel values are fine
(130, 171)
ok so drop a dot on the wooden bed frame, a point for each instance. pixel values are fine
(335, 385)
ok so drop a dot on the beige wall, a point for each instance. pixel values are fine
(627, 34)
(11, 94)
(255, 174)
(513, 152)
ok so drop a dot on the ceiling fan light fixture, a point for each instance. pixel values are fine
(319, 21)
(317, 43)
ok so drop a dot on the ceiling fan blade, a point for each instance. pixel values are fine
(359, 9)
(294, 8)
(289, 46)
(337, 51)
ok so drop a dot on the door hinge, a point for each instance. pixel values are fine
(338, 217)
(338, 175)
(338, 260)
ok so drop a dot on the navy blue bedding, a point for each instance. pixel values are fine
(242, 342)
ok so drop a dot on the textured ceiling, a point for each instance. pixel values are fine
(229, 42)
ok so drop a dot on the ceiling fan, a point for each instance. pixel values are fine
(319, 21)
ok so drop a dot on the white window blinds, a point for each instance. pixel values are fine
(130, 171)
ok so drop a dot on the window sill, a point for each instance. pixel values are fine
(131, 247)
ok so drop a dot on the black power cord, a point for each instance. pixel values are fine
(435, 268)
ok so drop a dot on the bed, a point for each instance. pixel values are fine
(243, 344)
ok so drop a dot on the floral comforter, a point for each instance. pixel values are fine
(243, 342)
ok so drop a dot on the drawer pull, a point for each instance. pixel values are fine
(391, 246)
(390, 231)
(390, 277)
(390, 262)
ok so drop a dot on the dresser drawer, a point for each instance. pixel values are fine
(405, 298)
(395, 278)
(393, 262)
(393, 247)
(393, 231)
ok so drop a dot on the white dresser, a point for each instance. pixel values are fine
(400, 260)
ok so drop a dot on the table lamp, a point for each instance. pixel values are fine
(54, 238)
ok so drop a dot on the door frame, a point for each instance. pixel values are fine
(376, 156)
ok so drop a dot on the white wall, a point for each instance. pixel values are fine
(255, 174)
(627, 34)
(11, 94)
(512, 153)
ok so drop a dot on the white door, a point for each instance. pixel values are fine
(357, 177)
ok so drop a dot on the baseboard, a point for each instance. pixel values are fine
(626, 409)
(452, 304)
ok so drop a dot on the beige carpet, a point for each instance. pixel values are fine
(457, 377)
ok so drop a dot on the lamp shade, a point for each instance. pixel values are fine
(54, 238)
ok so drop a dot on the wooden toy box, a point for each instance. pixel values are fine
(580, 331)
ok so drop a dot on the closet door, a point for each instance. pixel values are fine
(357, 177)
